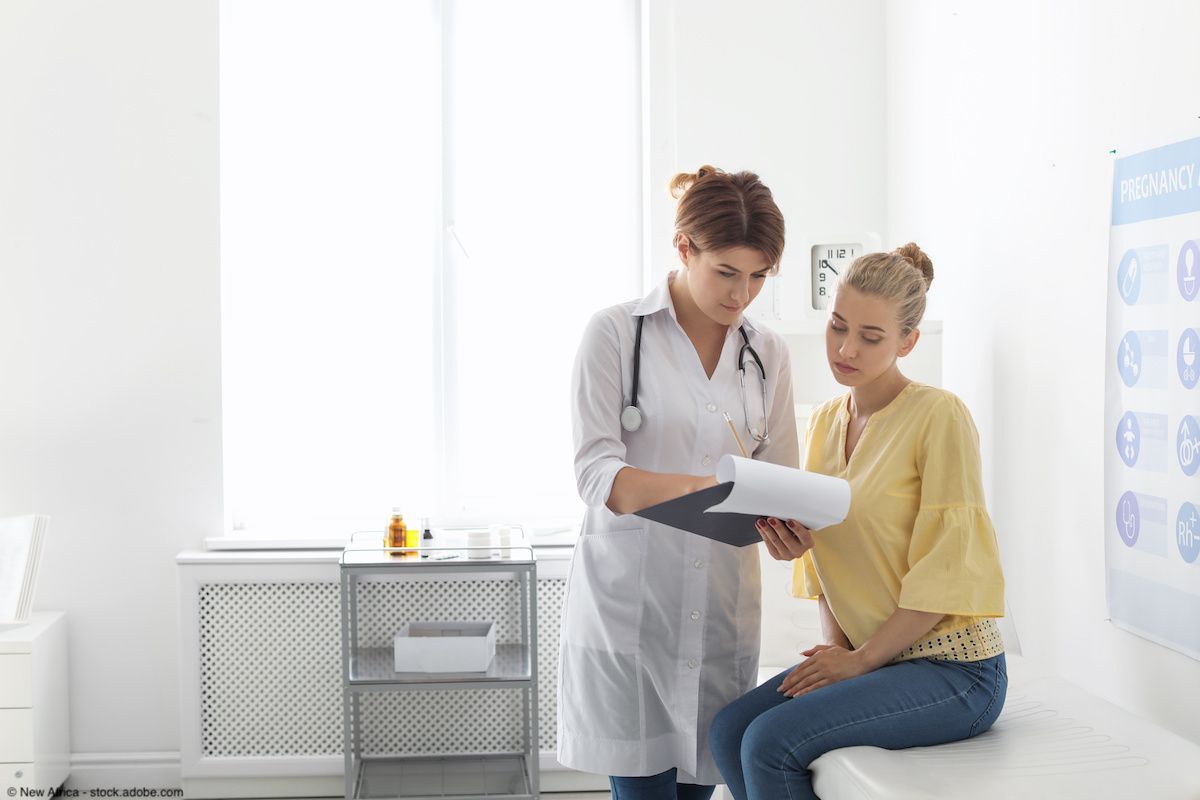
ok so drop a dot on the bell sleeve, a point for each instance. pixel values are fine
(597, 398)
(805, 581)
(953, 558)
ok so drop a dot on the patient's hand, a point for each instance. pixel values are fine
(823, 665)
(786, 539)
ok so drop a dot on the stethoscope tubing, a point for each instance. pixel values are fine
(631, 416)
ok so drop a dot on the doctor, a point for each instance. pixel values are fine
(660, 627)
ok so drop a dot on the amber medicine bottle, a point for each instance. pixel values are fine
(397, 532)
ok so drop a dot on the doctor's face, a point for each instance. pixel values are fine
(862, 339)
(724, 282)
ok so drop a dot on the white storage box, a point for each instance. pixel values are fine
(445, 647)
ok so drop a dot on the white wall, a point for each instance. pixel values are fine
(1000, 122)
(109, 338)
(791, 90)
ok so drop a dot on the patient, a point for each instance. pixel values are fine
(908, 584)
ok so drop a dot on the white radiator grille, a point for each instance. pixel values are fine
(270, 669)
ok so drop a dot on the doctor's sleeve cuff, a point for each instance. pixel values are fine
(596, 480)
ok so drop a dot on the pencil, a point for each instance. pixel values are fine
(736, 438)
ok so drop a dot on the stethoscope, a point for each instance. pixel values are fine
(631, 417)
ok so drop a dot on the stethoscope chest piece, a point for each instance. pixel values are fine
(631, 418)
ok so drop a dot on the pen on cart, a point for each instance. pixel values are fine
(736, 438)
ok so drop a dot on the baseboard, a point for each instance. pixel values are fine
(123, 771)
(247, 787)
(324, 786)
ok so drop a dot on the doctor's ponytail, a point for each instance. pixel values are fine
(719, 210)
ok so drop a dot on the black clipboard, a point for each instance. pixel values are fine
(687, 513)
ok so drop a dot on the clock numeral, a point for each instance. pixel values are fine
(821, 291)
(821, 277)
(841, 252)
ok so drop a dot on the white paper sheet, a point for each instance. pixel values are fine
(20, 553)
(769, 490)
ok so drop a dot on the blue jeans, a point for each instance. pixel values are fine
(763, 742)
(657, 787)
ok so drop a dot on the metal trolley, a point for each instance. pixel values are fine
(365, 669)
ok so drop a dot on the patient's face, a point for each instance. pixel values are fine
(862, 339)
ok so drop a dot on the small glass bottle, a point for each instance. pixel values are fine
(426, 535)
(412, 538)
(397, 532)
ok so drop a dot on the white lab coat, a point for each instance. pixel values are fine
(660, 628)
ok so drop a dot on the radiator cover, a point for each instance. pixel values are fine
(261, 683)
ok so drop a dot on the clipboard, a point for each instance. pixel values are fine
(688, 514)
(750, 490)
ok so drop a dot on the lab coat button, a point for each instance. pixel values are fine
(697, 563)
(706, 460)
(692, 664)
(711, 406)
(695, 615)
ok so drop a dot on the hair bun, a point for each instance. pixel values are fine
(684, 180)
(913, 254)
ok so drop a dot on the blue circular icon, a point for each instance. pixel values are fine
(1187, 444)
(1129, 358)
(1186, 357)
(1187, 271)
(1129, 438)
(1187, 532)
(1129, 277)
(1129, 519)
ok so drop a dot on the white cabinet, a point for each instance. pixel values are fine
(34, 736)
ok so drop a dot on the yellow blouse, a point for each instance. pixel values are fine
(917, 535)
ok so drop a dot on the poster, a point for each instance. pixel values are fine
(1152, 398)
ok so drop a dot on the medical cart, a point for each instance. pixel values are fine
(375, 766)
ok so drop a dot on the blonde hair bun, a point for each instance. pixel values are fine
(684, 180)
(913, 254)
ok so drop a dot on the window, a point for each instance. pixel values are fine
(421, 206)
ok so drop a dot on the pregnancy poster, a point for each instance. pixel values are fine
(1152, 405)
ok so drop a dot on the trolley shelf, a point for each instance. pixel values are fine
(373, 666)
(501, 776)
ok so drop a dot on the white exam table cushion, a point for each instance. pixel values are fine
(1053, 740)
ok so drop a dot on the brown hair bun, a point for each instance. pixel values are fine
(913, 254)
(685, 180)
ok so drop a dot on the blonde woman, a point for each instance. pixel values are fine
(908, 584)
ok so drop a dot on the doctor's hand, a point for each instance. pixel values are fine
(786, 539)
(823, 665)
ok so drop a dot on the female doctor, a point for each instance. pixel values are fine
(660, 627)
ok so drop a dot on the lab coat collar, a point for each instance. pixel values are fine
(660, 298)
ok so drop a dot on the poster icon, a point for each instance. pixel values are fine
(1188, 445)
(1129, 358)
(1129, 277)
(1187, 268)
(1185, 358)
(1187, 532)
(1129, 438)
(1129, 522)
